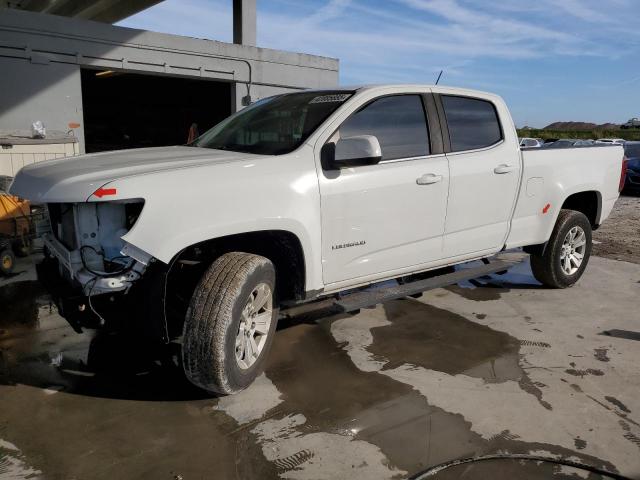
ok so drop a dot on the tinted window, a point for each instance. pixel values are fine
(472, 123)
(397, 121)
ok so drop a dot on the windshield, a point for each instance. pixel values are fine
(275, 125)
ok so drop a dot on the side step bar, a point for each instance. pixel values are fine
(372, 296)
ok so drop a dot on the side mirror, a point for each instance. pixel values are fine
(356, 151)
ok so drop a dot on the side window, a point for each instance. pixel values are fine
(473, 123)
(397, 121)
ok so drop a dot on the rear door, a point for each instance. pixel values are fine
(485, 167)
(380, 219)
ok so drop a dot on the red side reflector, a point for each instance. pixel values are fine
(101, 192)
(623, 173)
(546, 208)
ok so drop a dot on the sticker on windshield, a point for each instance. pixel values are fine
(338, 97)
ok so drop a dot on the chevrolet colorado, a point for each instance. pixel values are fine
(305, 196)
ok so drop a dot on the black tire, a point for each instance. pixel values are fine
(7, 261)
(214, 319)
(547, 268)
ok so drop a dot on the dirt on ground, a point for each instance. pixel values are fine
(619, 237)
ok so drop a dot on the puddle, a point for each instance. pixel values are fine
(626, 334)
(39, 348)
(316, 431)
(621, 406)
(428, 362)
(107, 405)
(324, 395)
(476, 291)
(585, 372)
(24, 299)
(114, 423)
(513, 469)
(580, 444)
(307, 355)
(436, 339)
(491, 287)
(12, 464)
(317, 380)
(110, 407)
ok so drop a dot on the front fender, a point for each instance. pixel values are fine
(189, 206)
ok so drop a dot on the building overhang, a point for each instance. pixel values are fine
(107, 11)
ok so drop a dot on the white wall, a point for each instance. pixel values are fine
(50, 93)
(41, 56)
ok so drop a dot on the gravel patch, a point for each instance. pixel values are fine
(619, 236)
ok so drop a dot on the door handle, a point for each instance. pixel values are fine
(504, 168)
(428, 179)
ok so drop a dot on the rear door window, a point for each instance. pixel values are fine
(398, 122)
(473, 123)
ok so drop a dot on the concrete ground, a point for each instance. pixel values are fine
(498, 365)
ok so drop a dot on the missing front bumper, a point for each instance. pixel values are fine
(71, 265)
(139, 310)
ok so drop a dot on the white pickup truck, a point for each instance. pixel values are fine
(301, 197)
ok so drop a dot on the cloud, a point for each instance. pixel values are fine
(525, 49)
(328, 11)
(425, 35)
(491, 27)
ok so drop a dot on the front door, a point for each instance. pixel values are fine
(379, 219)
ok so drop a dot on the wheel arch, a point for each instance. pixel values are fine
(283, 248)
(588, 202)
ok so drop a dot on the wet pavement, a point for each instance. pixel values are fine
(497, 365)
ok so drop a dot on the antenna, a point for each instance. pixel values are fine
(439, 75)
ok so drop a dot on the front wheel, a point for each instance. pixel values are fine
(7, 261)
(230, 323)
(567, 253)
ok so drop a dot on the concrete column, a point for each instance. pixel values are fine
(244, 22)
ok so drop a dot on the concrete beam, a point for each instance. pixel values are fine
(244, 22)
(108, 11)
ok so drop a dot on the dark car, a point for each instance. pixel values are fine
(632, 181)
(560, 143)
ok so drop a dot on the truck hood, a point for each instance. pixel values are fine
(74, 179)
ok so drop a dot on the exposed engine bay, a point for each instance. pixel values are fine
(86, 239)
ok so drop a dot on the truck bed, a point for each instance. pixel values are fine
(549, 176)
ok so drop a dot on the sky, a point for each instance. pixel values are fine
(551, 60)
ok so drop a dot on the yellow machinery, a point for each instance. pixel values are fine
(15, 230)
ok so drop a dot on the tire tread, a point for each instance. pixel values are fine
(544, 266)
(209, 316)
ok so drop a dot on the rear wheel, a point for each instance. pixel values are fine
(230, 323)
(7, 261)
(567, 253)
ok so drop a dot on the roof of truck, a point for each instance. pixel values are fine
(408, 86)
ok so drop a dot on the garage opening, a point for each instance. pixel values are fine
(126, 110)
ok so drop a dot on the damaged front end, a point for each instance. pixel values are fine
(94, 276)
(86, 239)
